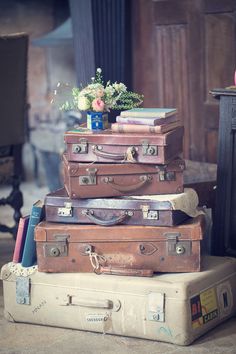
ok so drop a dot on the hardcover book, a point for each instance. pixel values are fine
(149, 112)
(136, 128)
(146, 120)
(29, 253)
(20, 239)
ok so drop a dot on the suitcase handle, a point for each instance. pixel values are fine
(112, 221)
(129, 155)
(124, 271)
(130, 188)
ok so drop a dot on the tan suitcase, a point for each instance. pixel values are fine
(119, 249)
(174, 308)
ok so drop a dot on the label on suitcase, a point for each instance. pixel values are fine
(83, 180)
(159, 210)
(120, 249)
(106, 146)
(174, 308)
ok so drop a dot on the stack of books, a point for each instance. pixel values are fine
(146, 120)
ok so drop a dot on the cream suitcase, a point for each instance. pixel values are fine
(174, 308)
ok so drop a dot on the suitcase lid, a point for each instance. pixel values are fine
(186, 202)
(107, 137)
(51, 232)
(104, 169)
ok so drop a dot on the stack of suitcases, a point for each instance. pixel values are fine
(124, 212)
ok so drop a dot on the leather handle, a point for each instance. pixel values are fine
(96, 303)
(130, 188)
(126, 271)
(112, 221)
(107, 155)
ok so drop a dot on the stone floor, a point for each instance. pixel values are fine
(19, 338)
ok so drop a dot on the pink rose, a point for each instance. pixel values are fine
(98, 105)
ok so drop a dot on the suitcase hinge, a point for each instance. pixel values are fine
(23, 290)
(149, 150)
(57, 249)
(176, 247)
(90, 178)
(149, 214)
(66, 210)
(81, 148)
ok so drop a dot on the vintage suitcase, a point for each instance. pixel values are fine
(175, 308)
(84, 145)
(83, 180)
(120, 249)
(158, 210)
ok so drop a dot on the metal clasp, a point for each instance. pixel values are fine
(150, 150)
(90, 178)
(57, 249)
(81, 148)
(149, 214)
(175, 247)
(166, 175)
(66, 210)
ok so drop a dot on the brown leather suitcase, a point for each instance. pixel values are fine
(164, 210)
(83, 180)
(84, 145)
(121, 249)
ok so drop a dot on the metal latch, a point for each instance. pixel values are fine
(175, 247)
(90, 178)
(167, 176)
(66, 210)
(23, 290)
(57, 249)
(156, 307)
(81, 148)
(150, 150)
(149, 214)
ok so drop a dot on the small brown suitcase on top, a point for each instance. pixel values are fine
(84, 145)
(83, 180)
(121, 249)
(158, 210)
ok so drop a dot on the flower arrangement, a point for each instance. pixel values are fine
(100, 97)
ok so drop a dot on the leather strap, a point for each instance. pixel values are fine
(125, 271)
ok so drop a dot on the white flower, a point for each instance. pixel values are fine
(99, 70)
(83, 103)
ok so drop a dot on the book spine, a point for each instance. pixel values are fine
(20, 239)
(134, 128)
(141, 121)
(146, 121)
(29, 253)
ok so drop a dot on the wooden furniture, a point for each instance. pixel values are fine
(224, 223)
(181, 49)
(13, 73)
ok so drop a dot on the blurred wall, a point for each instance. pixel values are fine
(46, 66)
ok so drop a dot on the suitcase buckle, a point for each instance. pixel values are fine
(66, 210)
(81, 148)
(149, 150)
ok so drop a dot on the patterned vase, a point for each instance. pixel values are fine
(97, 120)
